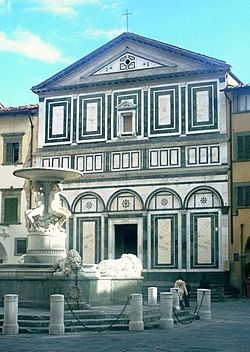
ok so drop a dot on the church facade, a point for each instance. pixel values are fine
(146, 123)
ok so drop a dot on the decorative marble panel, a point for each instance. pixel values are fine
(204, 243)
(164, 200)
(91, 124)
(167, 157)
(58, 120)
(202, 106)
(88, 233)
(89, 162)
(202, 155)
(60, 161)
(125, 160)
(164, 110)
(126, 203)
(164, 241)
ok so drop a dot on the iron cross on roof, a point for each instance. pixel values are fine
(127, 14)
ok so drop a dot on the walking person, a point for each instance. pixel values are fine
(182, 290)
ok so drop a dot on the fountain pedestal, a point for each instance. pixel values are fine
(46, 234)
(45, 247)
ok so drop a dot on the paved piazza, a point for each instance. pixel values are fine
(228, 331)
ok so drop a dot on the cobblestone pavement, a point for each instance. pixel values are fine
(228, 331)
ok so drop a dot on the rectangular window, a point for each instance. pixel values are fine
(20, 246)
(243, 147)
(11, 207)
(243, 196)
(243, 103)
(127, 123)
(12, 147)
(10, 210)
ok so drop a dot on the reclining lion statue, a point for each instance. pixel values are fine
(128, 266)
(72, 264)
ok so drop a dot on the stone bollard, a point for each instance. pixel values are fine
(152, 295)
(10, 325)
(136, 323)
(176, 299)
(56, 325)
(166, 309)
(204, 303)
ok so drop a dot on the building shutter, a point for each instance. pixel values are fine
(247, 195)
(240, 194)
(10, 210)
(247, 147)
(9, 158)
(243, 144)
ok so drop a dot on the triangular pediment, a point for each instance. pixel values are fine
(130, 57)
(126, 104)
(128, 62)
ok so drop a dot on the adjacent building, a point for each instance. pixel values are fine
(239, 101)
(18, 141)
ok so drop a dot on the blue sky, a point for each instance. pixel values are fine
(38, 38)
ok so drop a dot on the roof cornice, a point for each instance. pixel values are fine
(129, 80)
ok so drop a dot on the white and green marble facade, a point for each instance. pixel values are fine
(154, 157)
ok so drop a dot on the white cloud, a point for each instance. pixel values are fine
(5, 6)
(31, 46)
(102, 33)
(62, 7)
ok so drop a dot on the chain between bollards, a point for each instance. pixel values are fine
(102, 329)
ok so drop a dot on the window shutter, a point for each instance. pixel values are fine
(240, 145)
(247, 195)
(9, 158)
(10, 210)
(247, 148)
(15, 152)
(248, 102)
(240, 193)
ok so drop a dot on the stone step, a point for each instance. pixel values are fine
(92, 320)
(230, 291)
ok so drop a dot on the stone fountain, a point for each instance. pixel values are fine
(48, 269)
(46, 235)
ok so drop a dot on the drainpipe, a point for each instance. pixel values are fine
(31, 138)
(31, 153)
(231, 163)
(242, 258)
